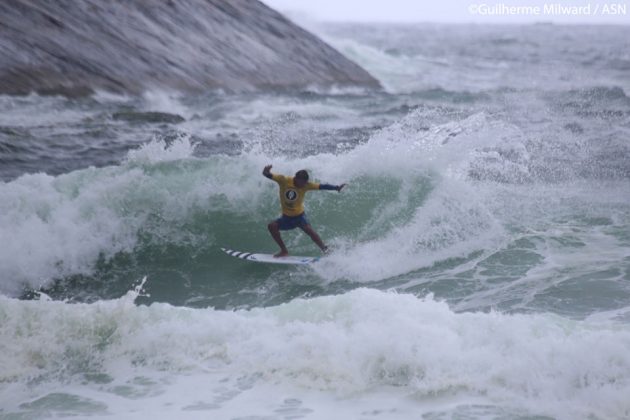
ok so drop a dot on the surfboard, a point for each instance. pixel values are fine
(269, 258)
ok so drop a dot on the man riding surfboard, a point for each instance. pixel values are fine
(292, 191)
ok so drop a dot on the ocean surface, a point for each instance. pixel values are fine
(481, 250)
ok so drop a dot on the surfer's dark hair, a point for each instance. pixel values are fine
(302, 174)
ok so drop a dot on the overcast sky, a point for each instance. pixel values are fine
(478, 11)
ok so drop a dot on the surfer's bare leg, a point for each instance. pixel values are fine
(275, 234)
(315, 237)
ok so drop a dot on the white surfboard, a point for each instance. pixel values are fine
(269, 258)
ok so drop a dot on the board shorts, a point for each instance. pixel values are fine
(291, 222)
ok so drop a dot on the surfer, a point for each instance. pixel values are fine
(292, 190)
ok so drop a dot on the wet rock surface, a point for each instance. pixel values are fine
(74, 48)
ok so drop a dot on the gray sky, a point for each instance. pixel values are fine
(478, 11)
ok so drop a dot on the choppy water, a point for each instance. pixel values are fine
(481, 263)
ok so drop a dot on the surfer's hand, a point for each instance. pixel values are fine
(341, 187)
(266, 171)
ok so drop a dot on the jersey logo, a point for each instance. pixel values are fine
(290, 195)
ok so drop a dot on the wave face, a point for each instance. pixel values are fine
(480, 264)
(472, 198)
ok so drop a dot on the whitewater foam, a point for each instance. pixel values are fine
(399, 348)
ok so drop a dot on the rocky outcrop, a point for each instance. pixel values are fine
(75, 47)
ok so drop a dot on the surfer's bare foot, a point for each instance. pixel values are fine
(281, 254)
(325, 250)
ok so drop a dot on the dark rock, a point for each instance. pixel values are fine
(574, 127)
(75, 47)
(148, 117)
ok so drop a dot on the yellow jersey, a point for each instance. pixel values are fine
(292, 197)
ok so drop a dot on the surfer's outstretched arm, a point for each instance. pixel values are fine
(337, 188)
